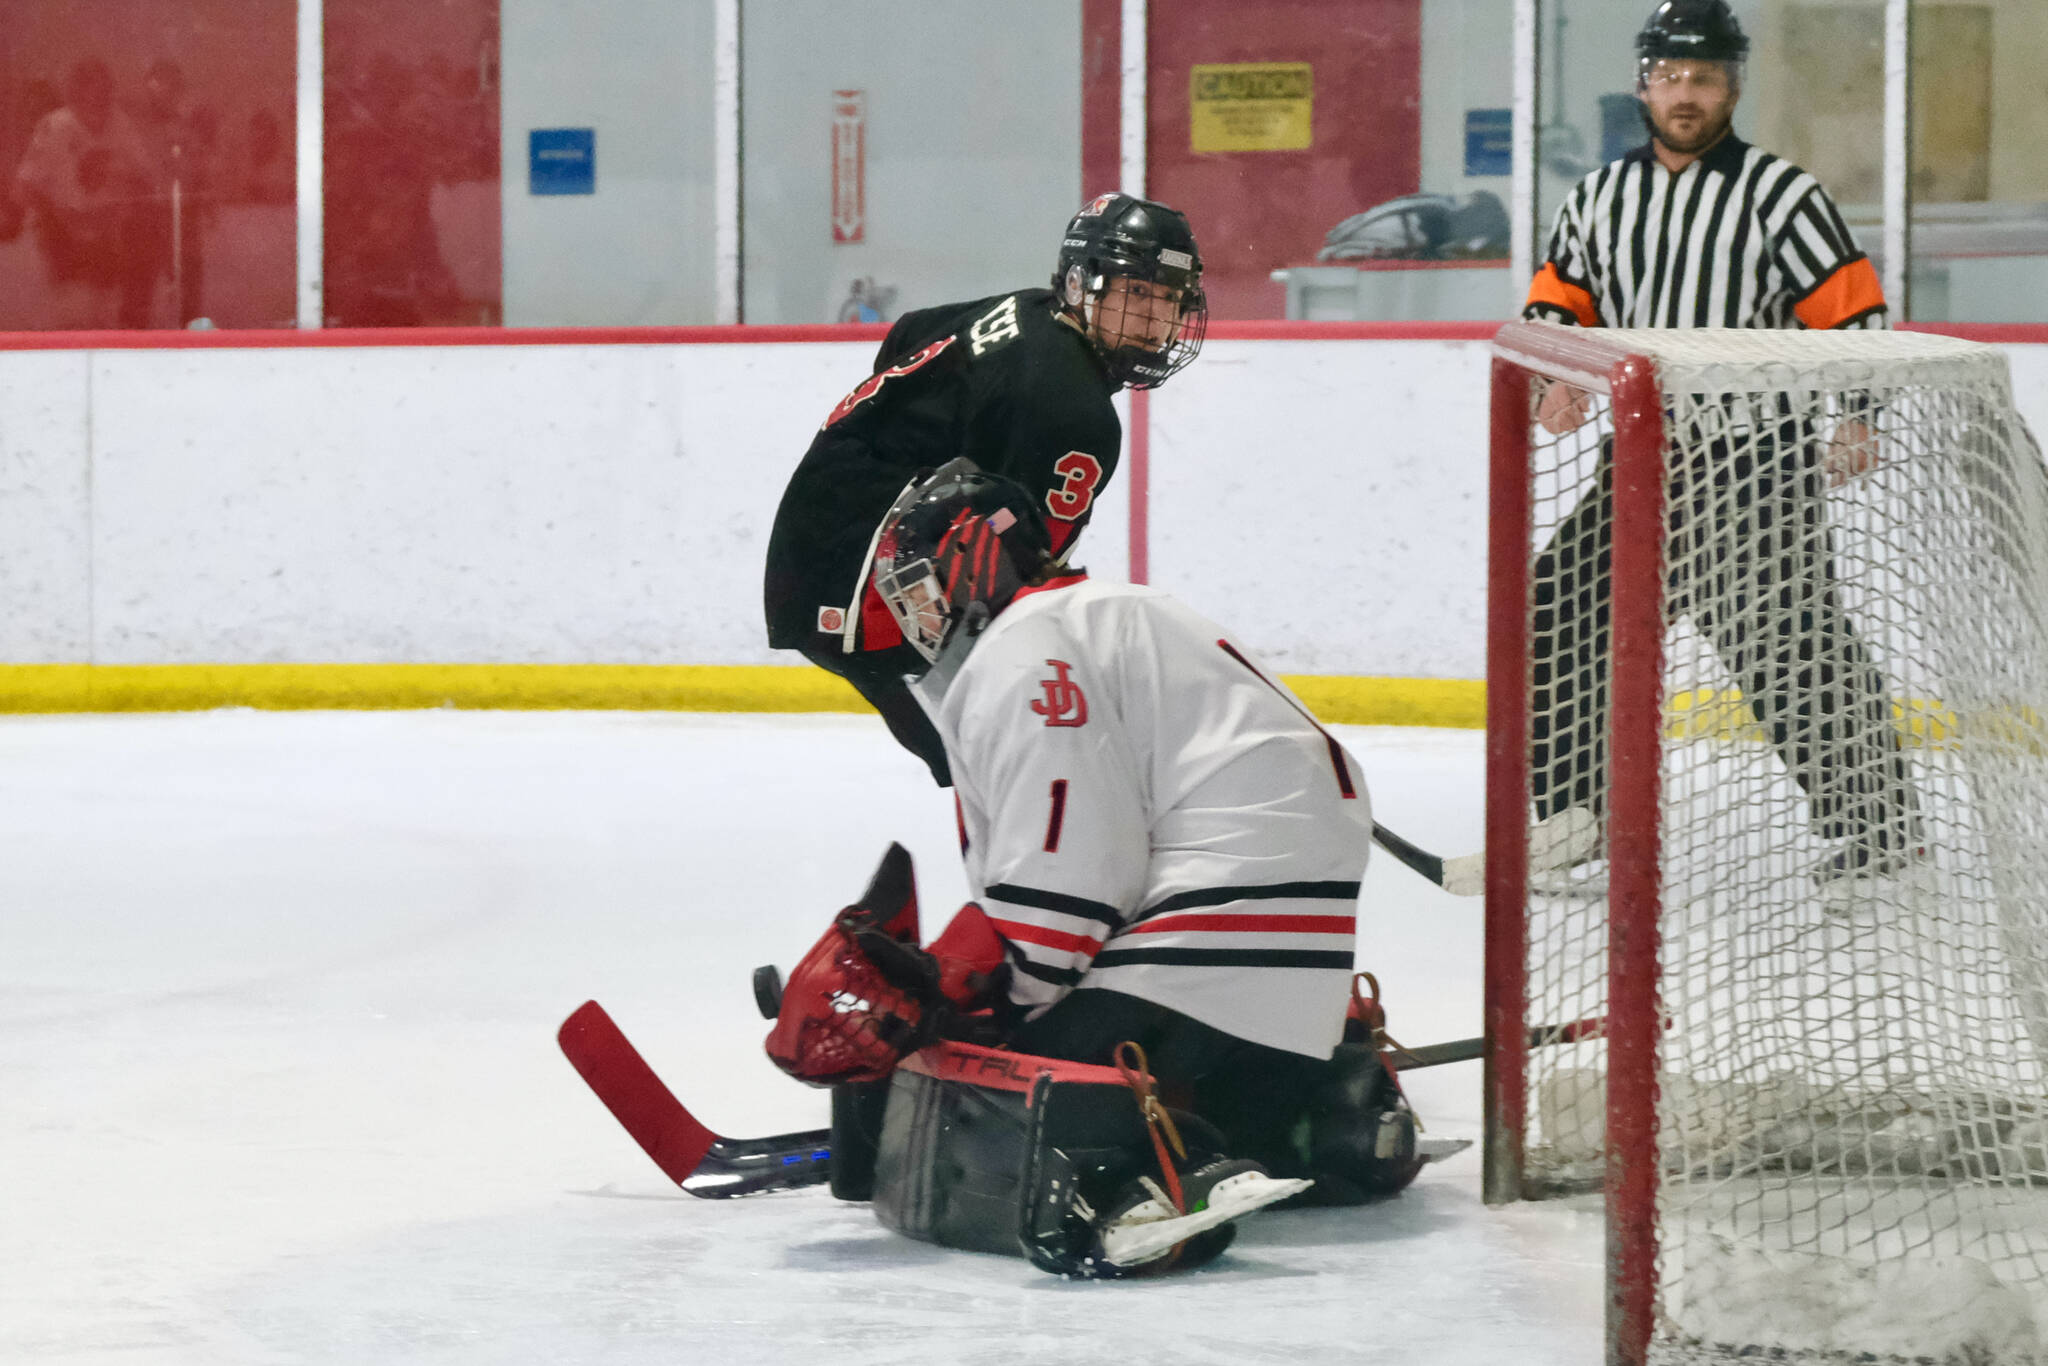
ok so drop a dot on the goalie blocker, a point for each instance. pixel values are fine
(1086, 1169)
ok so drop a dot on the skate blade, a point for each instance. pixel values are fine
(1437, 1149)
(1234, 1197)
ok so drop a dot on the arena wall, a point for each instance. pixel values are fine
(509, 518)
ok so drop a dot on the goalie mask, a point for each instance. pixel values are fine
(953, 551)
(1130, 274)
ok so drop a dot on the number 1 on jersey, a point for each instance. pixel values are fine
(1058, 817)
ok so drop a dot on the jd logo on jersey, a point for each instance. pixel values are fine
(1064, 704)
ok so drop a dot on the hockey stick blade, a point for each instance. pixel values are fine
(1555, 843)
(699, 1161)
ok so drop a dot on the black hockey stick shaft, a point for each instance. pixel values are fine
(1421, 860)
(1465, 1050)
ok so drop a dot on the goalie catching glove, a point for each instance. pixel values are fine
(866, 996)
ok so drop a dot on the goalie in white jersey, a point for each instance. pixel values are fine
(1143, 810)
(1164, 847)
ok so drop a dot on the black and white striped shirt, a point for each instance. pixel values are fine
(1739, 238)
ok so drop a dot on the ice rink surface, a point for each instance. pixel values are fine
(278, 1080)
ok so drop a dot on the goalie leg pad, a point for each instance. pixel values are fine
(857, 1111)
(1361, 1130)
(954, 1154)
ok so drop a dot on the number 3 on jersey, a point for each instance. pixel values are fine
(872, 385)
(1082, 474)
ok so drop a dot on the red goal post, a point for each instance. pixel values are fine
(1761, 678)
(1629, 381)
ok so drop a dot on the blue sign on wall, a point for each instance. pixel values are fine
(562, 161)
(1489, 141)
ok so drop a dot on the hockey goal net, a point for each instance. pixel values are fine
(1808, 714)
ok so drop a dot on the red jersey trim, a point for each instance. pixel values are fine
(1248, 924)
(1062, 940)
(1272, 329)
(1063, 581)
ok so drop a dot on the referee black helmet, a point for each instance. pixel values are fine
(1702, 29)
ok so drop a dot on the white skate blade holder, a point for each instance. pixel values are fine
(1133, 1244)
(1570, 837)
(1914, 887)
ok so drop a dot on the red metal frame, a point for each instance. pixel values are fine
(1507, 788)
(1138, 484)
(1634, 896)
(229, 339)
(1634, 1019)
(1244, 330)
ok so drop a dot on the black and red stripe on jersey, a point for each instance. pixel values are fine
(1056, 938)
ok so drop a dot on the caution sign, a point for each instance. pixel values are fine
(1251, 107)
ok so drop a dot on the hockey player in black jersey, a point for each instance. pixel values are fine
(1018, 383)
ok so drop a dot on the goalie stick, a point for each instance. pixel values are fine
(712, 1167)
(696, 1159)
(1555, 843)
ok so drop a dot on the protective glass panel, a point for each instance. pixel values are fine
(1812, 92)
(905, 153)
(1980, 186)
(609, 164)
(146, 164)
(412, 229)
(1338, 161)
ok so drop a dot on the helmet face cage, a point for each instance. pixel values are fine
(911, 591)
(1133, 316)
(1119, 237)
(955, 549)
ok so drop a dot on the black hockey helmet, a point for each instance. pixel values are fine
(1705, 30)
(954, 550)
(1120, 236)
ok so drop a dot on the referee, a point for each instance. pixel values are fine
(1699, 229)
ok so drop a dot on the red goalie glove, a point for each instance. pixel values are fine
(866, 995)
(841, 1019)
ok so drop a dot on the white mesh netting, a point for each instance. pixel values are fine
(1853, 1119)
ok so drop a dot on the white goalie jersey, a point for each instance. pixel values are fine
(1144, 810)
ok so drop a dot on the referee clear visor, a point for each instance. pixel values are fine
(1700, 73)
